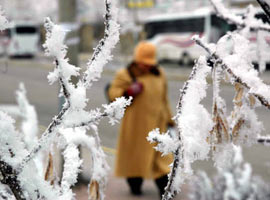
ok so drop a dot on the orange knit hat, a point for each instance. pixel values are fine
(145, 53)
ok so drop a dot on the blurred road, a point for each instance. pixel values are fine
(45, 98)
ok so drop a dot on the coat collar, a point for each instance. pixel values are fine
(135, 71)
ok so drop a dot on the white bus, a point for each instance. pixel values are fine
(23, 39)
(172, 34)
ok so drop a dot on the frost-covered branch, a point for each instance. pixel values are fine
(54, 46)
(114, 111)
(256, 87)
(190, 142)
(102, 53)
(9, 177)
(254, 24)
(266, 7)
(226, 14)
(12, 150)
(44, 141)
(165, 142)
(170, 190)
(72, 139)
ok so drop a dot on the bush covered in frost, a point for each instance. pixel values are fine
(200, 134)
(22, 172)
(234, 182)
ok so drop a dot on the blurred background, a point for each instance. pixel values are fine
(136, 17)
(169, 24)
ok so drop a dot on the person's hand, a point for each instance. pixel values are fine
(134, 89)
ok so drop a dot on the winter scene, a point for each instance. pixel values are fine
(135, 99)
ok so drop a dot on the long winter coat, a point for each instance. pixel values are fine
(136, 157)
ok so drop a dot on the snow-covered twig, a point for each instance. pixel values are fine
(114, 111)
(46, 136)
(54, 46)
(12, 150)
(170, 191)
(237, 20)
(266, 7)
(165, 142)
(237, 79)
(102, 53)
(10, 178)
(191, 142)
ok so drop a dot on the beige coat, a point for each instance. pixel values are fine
(136, 157)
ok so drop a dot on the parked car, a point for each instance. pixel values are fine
(23, 39)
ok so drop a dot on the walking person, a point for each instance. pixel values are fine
(145, 81)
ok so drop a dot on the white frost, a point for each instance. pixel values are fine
(116, 109)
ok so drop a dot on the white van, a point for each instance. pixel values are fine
(24, 39)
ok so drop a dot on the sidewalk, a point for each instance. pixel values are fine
(117, 189)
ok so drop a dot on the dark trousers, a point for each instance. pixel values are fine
(135, 184)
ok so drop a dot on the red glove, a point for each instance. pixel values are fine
(134, 89)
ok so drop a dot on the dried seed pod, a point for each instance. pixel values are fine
(224, 125)
(94, 190)
(237, 127)
(252, 100)
(239, 94)
(220, 128)
(49, 170)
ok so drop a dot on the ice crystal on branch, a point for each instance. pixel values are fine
(102, 53)
(115, 110)
(165, 142)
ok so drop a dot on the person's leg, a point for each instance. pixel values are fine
(135, 185)
(161, 184)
